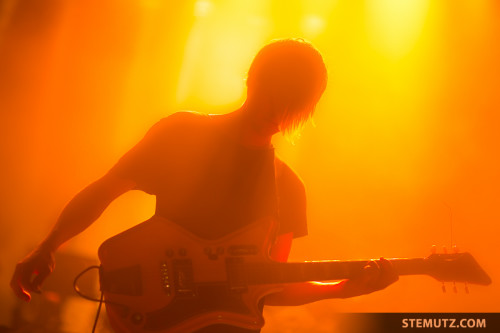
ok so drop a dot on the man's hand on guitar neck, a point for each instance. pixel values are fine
(376, 275)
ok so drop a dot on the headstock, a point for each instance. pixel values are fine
(456, 267)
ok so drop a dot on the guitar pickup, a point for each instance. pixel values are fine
(243, 250)
(184, 278)
(122, 281)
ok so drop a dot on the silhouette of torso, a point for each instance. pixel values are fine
(207, 182)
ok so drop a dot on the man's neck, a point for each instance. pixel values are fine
(243, 130)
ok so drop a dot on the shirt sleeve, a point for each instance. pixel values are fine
(291, 201)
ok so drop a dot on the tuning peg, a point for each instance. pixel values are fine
(443, 288)
(433, 249)
(445, 250)
(455, 249)
(455, 287)
(466, 288)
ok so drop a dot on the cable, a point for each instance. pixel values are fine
(100, 300)
(77, 290)
(98, 312)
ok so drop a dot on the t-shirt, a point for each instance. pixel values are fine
(207, 182)
(210, 184)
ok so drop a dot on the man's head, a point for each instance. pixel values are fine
(289, 76)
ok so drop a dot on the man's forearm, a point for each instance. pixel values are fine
(78, 214)
(84, 209)
(376, 275)
(307, 292)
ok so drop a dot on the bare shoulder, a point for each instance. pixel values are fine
(179, 122)
(183, 117)
(188, 115)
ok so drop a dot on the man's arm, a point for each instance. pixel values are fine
(375, 276)
(78, 215)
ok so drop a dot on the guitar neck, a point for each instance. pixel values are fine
(280, 273)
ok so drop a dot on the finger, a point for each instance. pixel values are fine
(19, 292)
(26, 278)
(388, 272)
(371, 272)
(372, 264)
(16, 285)
(38, 280)
(372, 268)
(25, 281)
(385, 265)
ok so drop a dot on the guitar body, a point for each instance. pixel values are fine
(159, 277)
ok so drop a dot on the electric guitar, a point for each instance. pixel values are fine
(158, 277)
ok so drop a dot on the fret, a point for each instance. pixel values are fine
(410, 266)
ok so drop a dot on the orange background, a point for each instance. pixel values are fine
(403, 152)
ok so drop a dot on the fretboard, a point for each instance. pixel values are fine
(279, 273)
